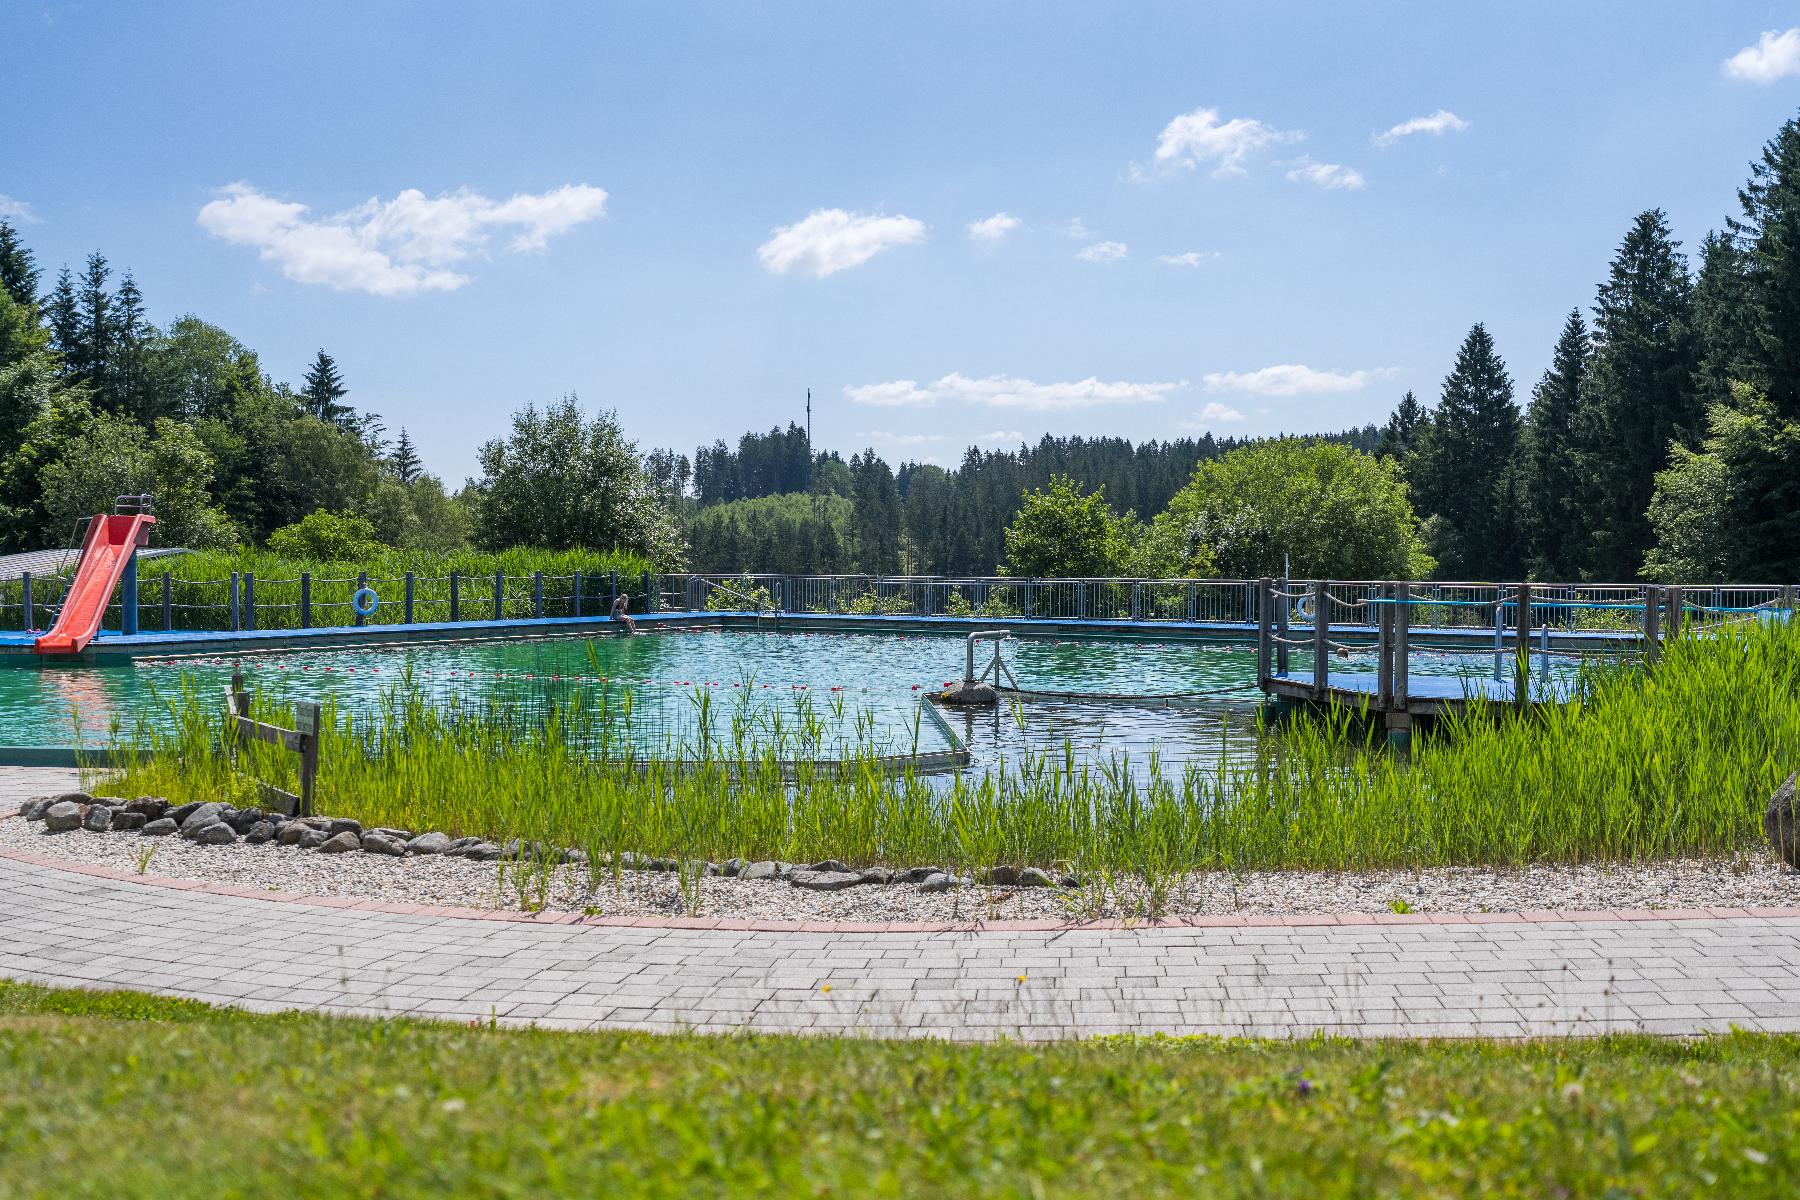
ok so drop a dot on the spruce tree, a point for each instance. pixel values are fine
(63, 312)
(1640, 395)
(1402, 428)
(1463, 467)
(325, 391)
(94, 357)
(1724, 321)
(405, 459)
(1552, 485)
(18, 268)
(126, 387)
(1769, 236)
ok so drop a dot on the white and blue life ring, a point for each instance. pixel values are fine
(365, 602)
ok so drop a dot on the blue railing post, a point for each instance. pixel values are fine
(128, 597)
(306, 599)
(409, 598)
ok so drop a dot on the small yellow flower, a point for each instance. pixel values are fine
(825, 987)
(1021, 979)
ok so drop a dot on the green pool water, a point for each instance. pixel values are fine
(859, 689)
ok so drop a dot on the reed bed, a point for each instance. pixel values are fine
(1676, 762)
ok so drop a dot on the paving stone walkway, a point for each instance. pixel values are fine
(1389, 977)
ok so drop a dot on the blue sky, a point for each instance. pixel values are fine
(693, 213)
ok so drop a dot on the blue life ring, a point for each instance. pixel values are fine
(365, 602)
(1303, 607)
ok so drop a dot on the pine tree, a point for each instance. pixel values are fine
(325, 391)
(1402, 428)
(1552, 483)
(98, 343)
(126, 387)
(63, 312)
(1769, 236)
(405, 459)
(1724, 321)
(1463, 467)
(1640, 395)
(18, 268)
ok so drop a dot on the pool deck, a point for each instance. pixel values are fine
(16, 647)
(1505, 975)
(1427, 695)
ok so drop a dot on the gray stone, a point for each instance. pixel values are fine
(376, 842)
(459, 847)
(216, 834)
(34, 810)
(969, 695)
(658, 864)
(484, 852)
(152, 807)
(292, 832)
(731, 866)
(876, 875)
(62, 816)
(1033, 877)
(429, 843)
(944, 882)
(257, 834)
(335, 825)
(399, 835)
(1781, 821)
(113, 802)
(126, 820)
(1069, 881)
(242, 820)
(576, 855)
(825, 881)
(180, 812)
(312, 839)
(161, 827)
(830, 864)
(759, 870)
(81, 798)
(1000, 876)
(341, 843)
(204, 815)
(97, 819)
(917, 874)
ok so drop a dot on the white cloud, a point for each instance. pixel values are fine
(1330, 176)
(830, 240)
(1438, 123)
(398, 247)
(1220, 412)
(16, 210)
(990, 230)
(1077, 229)
(1192, 258)
(1774, 56)
(1292, 379)
(1103, 252)
(1004, 391)
(1199, 138)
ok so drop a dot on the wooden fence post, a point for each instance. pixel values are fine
(1522, 646)
(537, 594)
(1263, 613)
(575, 598)
(306, 599)
(362, 581)
(1653, 599)
(455, 598)
(1321, 639)
(1384, 648)
(1401, 651)
(409, 597)
(249, 599)
(25, 599)
(500, 595)
(168, 604)
(235, 623)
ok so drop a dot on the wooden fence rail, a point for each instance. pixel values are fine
(302, 740)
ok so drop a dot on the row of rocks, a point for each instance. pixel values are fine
(216, 824)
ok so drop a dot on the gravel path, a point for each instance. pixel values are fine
(1751, 881)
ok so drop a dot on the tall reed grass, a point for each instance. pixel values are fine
(1645, 766)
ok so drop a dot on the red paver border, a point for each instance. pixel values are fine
(762, 925)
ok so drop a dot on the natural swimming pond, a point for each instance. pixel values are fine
(832, 692)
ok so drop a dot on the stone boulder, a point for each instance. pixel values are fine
(292, 832)
(203, 815)
(218, 833)
(152, 807)
(340, 843)
(161, 827)
(312, 839)
(128, 820)
(970, 695)
(62, 816)
(243, 819)
(759, 870)
(1033, 877)
(825, 881)
(34, 809)
(257, 834)
(484, 852)
(377, 842)
(1781, 821)
(337, 825)
(429, 843)
(97, 819)
(943, 881)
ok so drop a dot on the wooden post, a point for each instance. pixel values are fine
(1676, 615)
(409, 598)
(249, 599)
(1282, 605)
(500, 595)
(306, 599)
(537, 593)
(1321, 639)
(168, 604)
(235, 625)
(1384, 648)
(25, 600)
(1402, 625)
(1522, 646)
(1264, 616)
(455, 598)
(575, 597)
(1652, 624)
(362, 581)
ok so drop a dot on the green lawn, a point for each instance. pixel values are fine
(127, 1095)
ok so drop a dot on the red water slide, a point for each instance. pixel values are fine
(105, 553)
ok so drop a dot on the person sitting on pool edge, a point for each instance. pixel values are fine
(621, 611)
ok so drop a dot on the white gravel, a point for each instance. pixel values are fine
(1749, 881)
